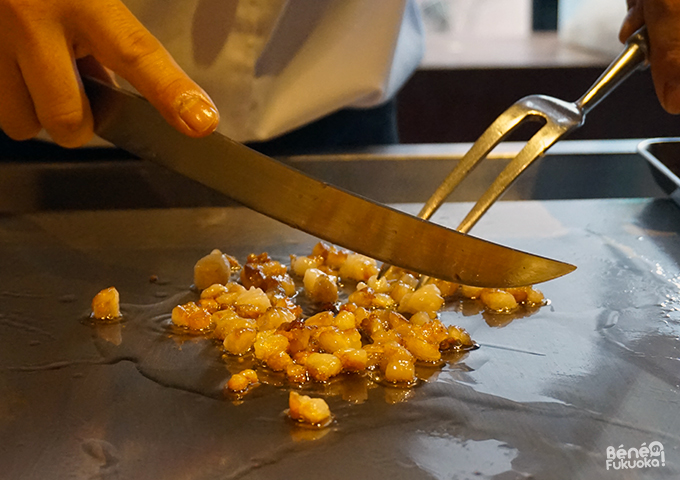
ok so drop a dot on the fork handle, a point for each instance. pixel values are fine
(634, 57)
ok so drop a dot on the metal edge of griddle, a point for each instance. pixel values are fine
(655, 151)
(112, 179)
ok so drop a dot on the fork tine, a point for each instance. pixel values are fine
(501, 127)
(534, 149)
(504, 124)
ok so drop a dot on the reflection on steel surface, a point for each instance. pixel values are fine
(544, 396)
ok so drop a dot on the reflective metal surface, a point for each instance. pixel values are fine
(39, 177)
(547, 395)
(663, 156)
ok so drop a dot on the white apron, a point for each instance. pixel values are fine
(274, 65)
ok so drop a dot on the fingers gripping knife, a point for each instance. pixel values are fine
(560, 118)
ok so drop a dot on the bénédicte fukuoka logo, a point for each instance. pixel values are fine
(643, 457)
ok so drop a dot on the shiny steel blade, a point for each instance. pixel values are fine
(322, 210)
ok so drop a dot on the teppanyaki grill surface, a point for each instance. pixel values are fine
(557, 394)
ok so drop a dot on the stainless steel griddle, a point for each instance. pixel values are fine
(545, 397)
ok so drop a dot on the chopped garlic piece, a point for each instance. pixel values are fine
(214, 268)
(106, 304)
(314, 411)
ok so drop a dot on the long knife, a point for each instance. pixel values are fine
(322, 210)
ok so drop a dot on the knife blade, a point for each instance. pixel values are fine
(318, 208)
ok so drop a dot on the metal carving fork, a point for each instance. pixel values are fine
(560, 118)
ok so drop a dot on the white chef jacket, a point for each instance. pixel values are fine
(271, 66)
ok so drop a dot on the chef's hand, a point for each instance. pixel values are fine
(44, 43)
(662, 18)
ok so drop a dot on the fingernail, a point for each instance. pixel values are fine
(198, 113)
(671, 97)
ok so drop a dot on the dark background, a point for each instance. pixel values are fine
(442, 106)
